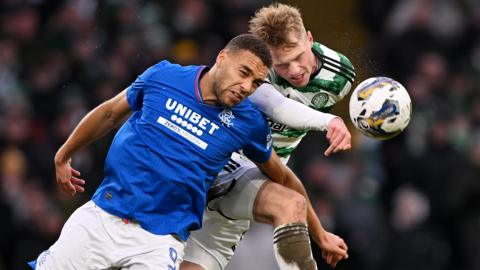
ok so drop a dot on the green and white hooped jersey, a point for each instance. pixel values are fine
(330, 85)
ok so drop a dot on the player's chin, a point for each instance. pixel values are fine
(299, 83)
(231, 101)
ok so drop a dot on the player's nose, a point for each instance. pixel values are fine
(294, 69)
(246, 87)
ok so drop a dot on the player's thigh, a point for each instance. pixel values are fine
(213, 245)
(79, 245)
(238, 203)
(275, 201)
(186, 265)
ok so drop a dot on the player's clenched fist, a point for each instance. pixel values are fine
(338, 136)
(68, 177)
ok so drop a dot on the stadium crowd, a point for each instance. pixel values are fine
(409, 203)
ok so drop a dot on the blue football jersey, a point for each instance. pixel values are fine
(164, 158)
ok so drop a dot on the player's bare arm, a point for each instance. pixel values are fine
(92, 127)
(333, 247)
(328, 242)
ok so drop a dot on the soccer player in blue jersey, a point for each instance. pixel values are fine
(183, 124)
(316, 77)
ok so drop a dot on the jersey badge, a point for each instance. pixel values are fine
(319, 100)
(226, 117)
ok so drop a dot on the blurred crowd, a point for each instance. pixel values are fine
(409, 203)
(412, 202)
(59, 59)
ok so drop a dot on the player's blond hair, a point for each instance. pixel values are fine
(274, 24)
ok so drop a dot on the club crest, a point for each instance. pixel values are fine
(226, 117)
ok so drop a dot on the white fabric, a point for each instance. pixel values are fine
(226, 218)
(206, 258)
(287, 111)
(238, 203)
(94, 239)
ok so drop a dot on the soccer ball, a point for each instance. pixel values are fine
(380, 108)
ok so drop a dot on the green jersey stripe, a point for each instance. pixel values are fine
(284, 151)
(293, 133)
(335, 86)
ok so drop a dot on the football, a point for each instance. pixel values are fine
(380, 107)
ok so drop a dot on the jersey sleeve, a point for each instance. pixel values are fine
(287, 111)
(259, 146)
(135, 91)
(337, 73)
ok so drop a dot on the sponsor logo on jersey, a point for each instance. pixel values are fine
(187, 123)
(276, 127)
(190, 119)
(320, 100)
(226, 117)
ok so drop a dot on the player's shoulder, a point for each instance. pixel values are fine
(336, 74)
(249, 110)
(247, 107)
(324, 52)
(166, 66)
(334, 61)
(171, 73)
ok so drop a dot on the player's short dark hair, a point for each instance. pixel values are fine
(252, 44)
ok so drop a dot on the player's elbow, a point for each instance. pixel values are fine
(114, 113)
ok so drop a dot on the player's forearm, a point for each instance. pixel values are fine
(317, 232)
(314, 225)
(96, 124)
(289, 112)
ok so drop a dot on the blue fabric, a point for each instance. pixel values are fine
(164, 158)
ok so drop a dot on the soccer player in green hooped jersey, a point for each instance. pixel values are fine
(317, 77)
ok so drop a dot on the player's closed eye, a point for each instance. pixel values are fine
(299, 56)
(243, 73)
(283, 66)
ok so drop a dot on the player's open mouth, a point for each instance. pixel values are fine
(236, 96)
(298, 78)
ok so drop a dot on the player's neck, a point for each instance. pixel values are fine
(316, 65)
(206, 88)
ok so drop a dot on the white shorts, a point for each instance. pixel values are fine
(94, 239)
(227, 216)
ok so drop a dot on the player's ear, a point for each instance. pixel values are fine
(309, 37)
(222, 55)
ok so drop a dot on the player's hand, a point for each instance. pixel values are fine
(338, 136)
(333, 248)
(331, 259)
(68, 177)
